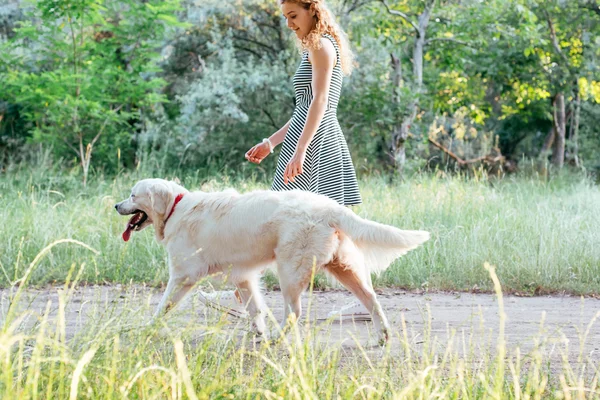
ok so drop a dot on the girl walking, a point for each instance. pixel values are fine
(314, 154)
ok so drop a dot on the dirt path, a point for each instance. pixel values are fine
(465, 313)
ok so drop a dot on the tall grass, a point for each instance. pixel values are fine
(112, 354)
(541, 234)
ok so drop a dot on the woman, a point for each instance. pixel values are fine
(314, 155)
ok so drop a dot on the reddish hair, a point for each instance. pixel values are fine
(326, 23)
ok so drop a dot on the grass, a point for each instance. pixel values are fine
(112, 354)
(541, 234)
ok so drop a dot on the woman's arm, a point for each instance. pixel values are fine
(322, 61)
(257, 153)
(322, 68)
(278, 136)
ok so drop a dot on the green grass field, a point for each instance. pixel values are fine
(542, 235)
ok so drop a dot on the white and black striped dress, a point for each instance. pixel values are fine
(328, 168)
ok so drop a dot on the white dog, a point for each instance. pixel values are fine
(241, 234)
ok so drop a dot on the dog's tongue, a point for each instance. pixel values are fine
(130, 225)
(127, 234)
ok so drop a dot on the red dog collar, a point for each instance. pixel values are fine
(177, 200)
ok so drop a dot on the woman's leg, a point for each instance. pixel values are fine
(354, 310)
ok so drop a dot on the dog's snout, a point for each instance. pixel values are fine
(117, 206)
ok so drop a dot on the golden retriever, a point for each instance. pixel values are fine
(242, 234)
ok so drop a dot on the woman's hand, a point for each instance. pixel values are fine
(294, 167)
(258, 153)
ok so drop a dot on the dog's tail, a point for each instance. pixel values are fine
(381, 244)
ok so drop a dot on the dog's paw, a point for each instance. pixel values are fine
(384, 337)
(259, 327)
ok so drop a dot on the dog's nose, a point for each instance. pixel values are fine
(117, 207)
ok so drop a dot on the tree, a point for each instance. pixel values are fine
(563, 53)
(418, 27)
(89, 74)
(401, 128)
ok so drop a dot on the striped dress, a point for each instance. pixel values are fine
(327, 168)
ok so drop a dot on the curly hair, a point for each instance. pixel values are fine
(326, 23)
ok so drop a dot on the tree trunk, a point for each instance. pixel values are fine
(546, 148)
(420, 46)
(399, 137)
(397, 128)
(573, 138)
(396, 76)
(548, 142)
(558, 150)
(400, 132)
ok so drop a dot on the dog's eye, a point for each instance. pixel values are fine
(132, 195)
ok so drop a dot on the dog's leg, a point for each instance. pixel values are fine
(296, 254)
(291, 290)
(176, 289)
(361, 287)
(252, 298)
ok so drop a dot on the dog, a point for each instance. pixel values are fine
(242, 234)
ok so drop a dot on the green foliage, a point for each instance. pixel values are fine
(90, 72)
(200, 93)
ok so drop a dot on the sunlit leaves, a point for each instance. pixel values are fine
(589, 90)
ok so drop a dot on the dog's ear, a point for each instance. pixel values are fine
(161, 197)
